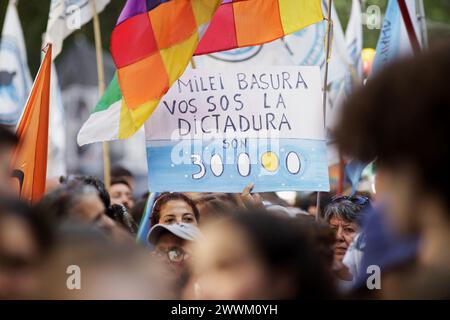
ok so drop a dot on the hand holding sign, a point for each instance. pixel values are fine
(247, 200)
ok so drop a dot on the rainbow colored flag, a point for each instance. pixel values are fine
(242, 23)
(151, 45)
(155, 39)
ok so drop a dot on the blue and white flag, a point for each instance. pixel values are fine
(15, 79)
(353, 172)
(354, 39)
(394, 41)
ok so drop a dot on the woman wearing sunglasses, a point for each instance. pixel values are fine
(171, 247)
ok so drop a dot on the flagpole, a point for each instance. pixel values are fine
(422, 23)
(327, 59)
(193, 64)
(145, 225)
(409, 26)
(101, 88)
(325, 85)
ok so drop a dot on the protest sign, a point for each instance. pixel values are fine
(217, 131)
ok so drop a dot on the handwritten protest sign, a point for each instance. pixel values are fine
(217, 131)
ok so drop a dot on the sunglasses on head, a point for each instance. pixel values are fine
(359, 200)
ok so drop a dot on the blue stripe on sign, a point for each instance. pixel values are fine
(186, 166)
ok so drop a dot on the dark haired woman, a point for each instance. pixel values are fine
(173, 208)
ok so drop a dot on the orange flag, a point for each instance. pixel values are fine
(29, 160)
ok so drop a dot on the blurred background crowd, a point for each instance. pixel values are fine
(386, 237)
(390, 242)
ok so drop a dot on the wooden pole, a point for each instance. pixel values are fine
(327, 59)
(101, 88)
(325, 84)
(193, 64)
(409, 26)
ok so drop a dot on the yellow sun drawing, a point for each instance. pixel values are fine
(270, 161)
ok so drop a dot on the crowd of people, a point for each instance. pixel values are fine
(387, 245)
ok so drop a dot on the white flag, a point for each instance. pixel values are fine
(56, 163)
(66, 16)
(354, 39)
(15, 79)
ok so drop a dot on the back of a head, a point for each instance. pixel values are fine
(305, 202)
(283, 247)
(320, 234)
(120, 180)
(119, 214)
(109, 270)
(213, 207)
(93, 182)
(401, 118)
(7, 137)
(120, 172)
(61, 203)
(8, 140)
(37, 224)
